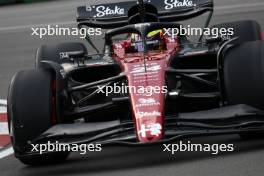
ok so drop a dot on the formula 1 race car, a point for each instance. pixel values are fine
(147, 87)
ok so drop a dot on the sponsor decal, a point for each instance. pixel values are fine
(63, 55)
(102, 11)
(148, 114)
(140, 25)
(170, 4)
(141, 69)
(146, 101)
(143, 102)
(154, 129)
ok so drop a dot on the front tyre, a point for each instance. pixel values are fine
(244, 77)
(246, 30)
(31, 111)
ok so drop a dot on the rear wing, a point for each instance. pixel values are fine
(117, 14)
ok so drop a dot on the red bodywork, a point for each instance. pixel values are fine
(148, 109)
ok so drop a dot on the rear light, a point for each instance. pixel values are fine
(261, 35)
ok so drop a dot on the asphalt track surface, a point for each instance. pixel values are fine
(17, 50)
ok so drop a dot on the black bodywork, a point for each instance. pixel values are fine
(202, 105)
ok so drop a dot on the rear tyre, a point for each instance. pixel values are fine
(244, 76)
(53, 52)
(30, 113)
(247, 30)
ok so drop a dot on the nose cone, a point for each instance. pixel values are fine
(147, 98)
(150, 132)
(148, 114)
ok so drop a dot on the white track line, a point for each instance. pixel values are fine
(3, 102)
(2, 109)
(3, 106)
(6, 152)
(3, 130)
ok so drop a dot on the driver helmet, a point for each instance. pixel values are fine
(154, 39)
